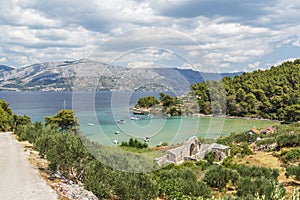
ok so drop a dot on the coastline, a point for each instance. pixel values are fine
(148, 110)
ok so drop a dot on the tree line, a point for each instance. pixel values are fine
(272, 94)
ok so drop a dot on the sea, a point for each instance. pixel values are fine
(99, 112)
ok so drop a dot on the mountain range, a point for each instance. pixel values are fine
(87, 75)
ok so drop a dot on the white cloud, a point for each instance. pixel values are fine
(142, 65)
(225, 65)
(279, 62)
(35, 31)
(254, 65)
(193, 54)
(3, 60)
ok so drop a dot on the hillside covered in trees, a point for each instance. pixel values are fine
(272, 94)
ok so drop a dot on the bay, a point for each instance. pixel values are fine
(99, 112)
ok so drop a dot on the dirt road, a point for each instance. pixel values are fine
(18, 179)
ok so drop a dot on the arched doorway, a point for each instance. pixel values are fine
(193, 149)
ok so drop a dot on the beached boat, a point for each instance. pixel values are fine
(116, 141)
(138, 112)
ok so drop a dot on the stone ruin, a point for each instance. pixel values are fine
(192, 149)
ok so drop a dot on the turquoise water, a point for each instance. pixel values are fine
(104, 109)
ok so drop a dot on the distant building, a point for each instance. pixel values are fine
(253, 131)
(269, 130)
(192, 149)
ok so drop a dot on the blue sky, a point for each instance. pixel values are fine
(205, 35)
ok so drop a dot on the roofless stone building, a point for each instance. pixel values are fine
(192, 149)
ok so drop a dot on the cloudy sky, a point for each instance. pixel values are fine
(207, 35)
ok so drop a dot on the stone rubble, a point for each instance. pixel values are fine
(67, 189)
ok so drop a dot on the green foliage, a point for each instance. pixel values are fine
(64, 119)
(180, 184)
(134, 186)
(134, 143)
(30, 131)
(4, 120)
(5, 106)
(289, 156)
(167, 100)
(256, 172)
(210, 157)
(228, 162)
(218, 177)
(288, 140)
(98, 178)
(272, 94)
(259, 188)
(293, 171)
(5, 115)
(67, 154)
(147, 102)
(237, 138)
(246, 150)
(20, 120)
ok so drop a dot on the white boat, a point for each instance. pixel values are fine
(91, 124)
(121, 121)
(117, 132)
(134, 118)
(146, 139)
(116, 141)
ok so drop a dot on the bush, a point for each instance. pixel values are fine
(293, 171)
(134, 143)
(259, 187)
(218, 177)
(180, 184)
(256, 172)
(289, 156)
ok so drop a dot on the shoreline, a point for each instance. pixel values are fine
(148, 110)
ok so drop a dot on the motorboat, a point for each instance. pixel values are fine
(121, 121)
(138, 112)
(134, 118)
(147, 139)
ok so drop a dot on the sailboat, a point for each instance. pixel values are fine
(64, 105)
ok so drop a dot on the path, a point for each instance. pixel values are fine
(18, 179)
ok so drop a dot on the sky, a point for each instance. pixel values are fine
(204, 35)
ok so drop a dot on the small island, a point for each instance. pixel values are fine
(168, 105)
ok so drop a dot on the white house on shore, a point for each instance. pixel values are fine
(192, 149)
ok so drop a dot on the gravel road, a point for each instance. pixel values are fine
(19, 180)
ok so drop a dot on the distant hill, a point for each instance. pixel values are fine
(87, 75)
(5, 68)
